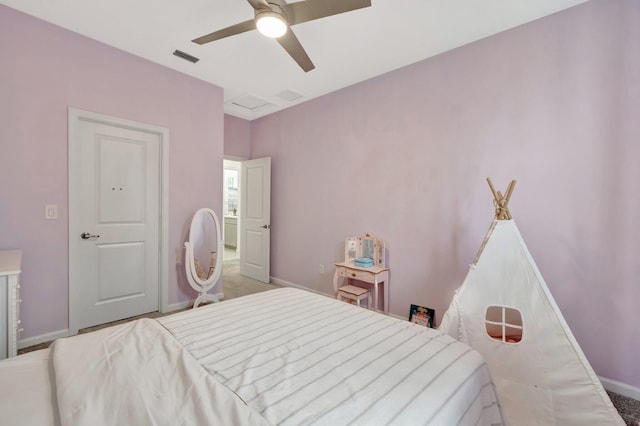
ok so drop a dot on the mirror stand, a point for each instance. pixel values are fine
(204, 221)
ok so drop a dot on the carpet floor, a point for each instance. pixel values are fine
(628, 408)
(236, 285)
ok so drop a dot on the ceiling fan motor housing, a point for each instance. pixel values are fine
(274, 7)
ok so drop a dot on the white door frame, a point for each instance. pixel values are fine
(236, 167)
(77, 115)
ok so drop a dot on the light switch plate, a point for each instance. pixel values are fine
(50, 211)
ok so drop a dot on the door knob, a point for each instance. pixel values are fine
(87, 236)
(266, 226)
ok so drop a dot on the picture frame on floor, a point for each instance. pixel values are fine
(422, 316)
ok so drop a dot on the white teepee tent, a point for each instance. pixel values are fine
(505, 311)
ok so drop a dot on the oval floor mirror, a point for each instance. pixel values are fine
(203, 254)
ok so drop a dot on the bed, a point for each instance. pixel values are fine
(285, 356)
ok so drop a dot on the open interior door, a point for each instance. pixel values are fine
(255, 218)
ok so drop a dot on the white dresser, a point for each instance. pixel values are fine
(10, 268)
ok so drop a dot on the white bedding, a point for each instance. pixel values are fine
(299, 358)
(283, 357)
(27, 394)
(138, 374)
(131, 374)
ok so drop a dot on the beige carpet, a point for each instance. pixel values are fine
(236, 285)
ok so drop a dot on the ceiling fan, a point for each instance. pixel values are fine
(274, 17)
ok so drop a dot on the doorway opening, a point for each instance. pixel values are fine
(231, 212)
(246, 218)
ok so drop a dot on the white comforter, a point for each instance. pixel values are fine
(298, 358)
(138, 374)
(284, 356)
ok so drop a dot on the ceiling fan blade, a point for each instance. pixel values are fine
(304, 11)
(259, 4)
(291, 44)
(226, 32)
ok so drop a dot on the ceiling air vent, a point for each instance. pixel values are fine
(289, 95)
(185, 56)
(250, 102)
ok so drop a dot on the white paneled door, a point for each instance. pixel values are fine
(255, 218)
(114, 219)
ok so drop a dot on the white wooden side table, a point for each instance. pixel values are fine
(375, 275)
(10, 264)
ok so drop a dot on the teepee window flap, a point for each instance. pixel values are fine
(504, 324)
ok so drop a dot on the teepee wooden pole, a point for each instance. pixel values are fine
(501, 206)
(507, 197)
(501, 202)
(493, 190)
(496, 199)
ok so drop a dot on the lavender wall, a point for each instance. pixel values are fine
(237, 138)
(553, 103)
(45, 70)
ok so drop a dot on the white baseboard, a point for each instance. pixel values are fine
(187, 304)
(30, 341)
(397, 317)
(179, 305)
(620, 388)
(301, 287)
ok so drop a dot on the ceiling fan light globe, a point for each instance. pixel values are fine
(270, 24)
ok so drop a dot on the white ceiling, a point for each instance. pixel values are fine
(345, 49)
